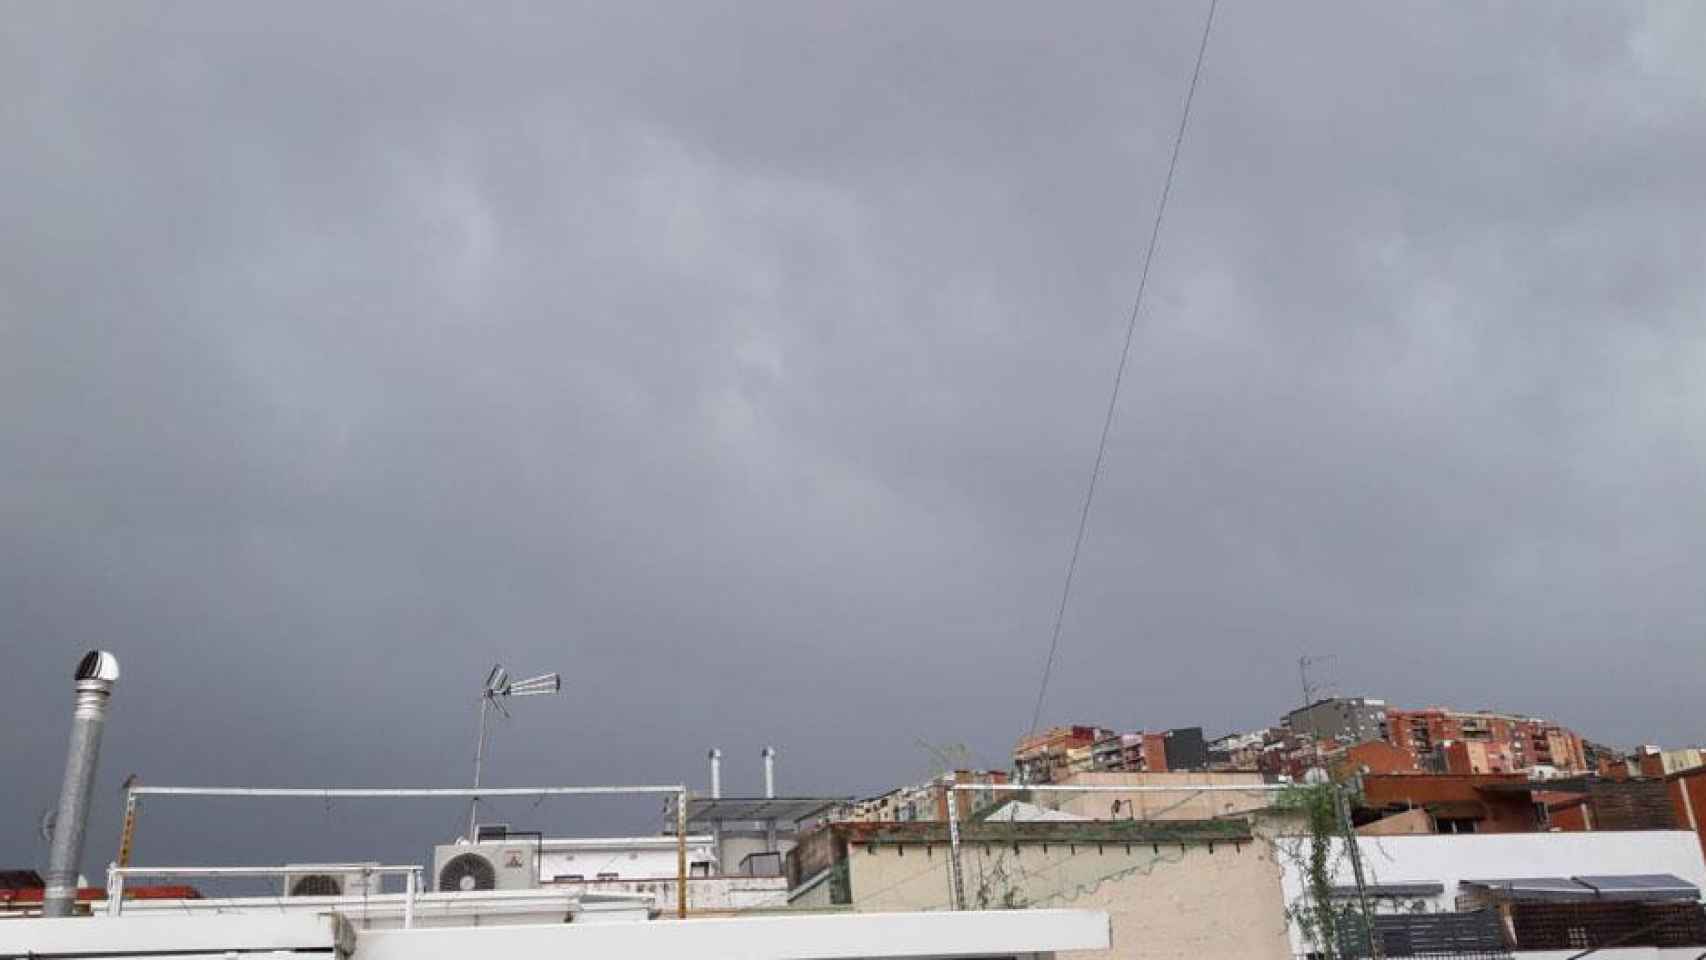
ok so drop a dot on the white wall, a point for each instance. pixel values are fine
(1004, 933)
(1449, 859)
(630, 858)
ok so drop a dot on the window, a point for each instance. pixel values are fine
(568, 878)
(609, 875)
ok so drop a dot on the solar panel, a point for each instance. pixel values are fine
(1642, 886)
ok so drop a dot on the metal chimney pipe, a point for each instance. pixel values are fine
(716, 773)
(769, 773)
(96, 674)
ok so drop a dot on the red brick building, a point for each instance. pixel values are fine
(1488, 803)
(1377, 756)
(1476, 756)
(1042, 757)
(1688, 797)
(1497, 743)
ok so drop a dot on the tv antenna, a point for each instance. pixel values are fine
(497, 688)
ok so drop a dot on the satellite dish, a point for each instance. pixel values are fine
(497, 682)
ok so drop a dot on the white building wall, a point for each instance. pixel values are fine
(629, 858)
(1022, 934)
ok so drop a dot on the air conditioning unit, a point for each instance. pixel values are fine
(309, 880)
(462, 867)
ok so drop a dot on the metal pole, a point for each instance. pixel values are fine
(128, 835)
(1342, 807)
(95, 676)
(479, 761)
(409, 885)
(115, 890)
(374, 793)
(769, 754)
(1114, 788)
(380, 870)
(717, 794)
(956, 887)
(681, 855)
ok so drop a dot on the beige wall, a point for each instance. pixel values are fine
(1169, 902)
(1186, 804)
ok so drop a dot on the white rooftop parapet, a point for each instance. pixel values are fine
(158, 935)
(1019, 933)
(805, 937)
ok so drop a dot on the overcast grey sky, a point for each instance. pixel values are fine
(745, 362)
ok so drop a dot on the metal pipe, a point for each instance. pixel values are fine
(127, 835)
(410, 884)
(681, 856)
(116, 876)
(956, 884)
(359, 793)
(115, 890)
(479, 761)
(769, 754)
(716, 773)
(1110, 788)
(383, 869)
(95, 676)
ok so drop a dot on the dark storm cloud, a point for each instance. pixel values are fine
(744, 361)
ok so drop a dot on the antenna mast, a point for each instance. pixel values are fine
(498, 684)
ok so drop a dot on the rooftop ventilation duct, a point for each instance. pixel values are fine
(97, 672)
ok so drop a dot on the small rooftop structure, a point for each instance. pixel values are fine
(1019, 811)
(1635, 886)
(793, 810)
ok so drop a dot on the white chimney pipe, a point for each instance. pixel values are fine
(96, 674)
(769, 772)
(716, 773)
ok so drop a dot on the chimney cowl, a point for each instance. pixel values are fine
(97, 665)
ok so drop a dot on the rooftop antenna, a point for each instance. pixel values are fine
(498, 685)
(1311, 691)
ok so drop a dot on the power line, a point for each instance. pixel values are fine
(1119, 372)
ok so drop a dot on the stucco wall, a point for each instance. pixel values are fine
(1185, 804)
(1408, 822)
(1163, 902)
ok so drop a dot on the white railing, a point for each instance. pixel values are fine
(678, 791)
(411, 878)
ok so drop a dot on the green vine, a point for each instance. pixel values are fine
(1327, 925)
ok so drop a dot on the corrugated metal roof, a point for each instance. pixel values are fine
(1535, 888)
(1642, 886)
(1636, 886)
